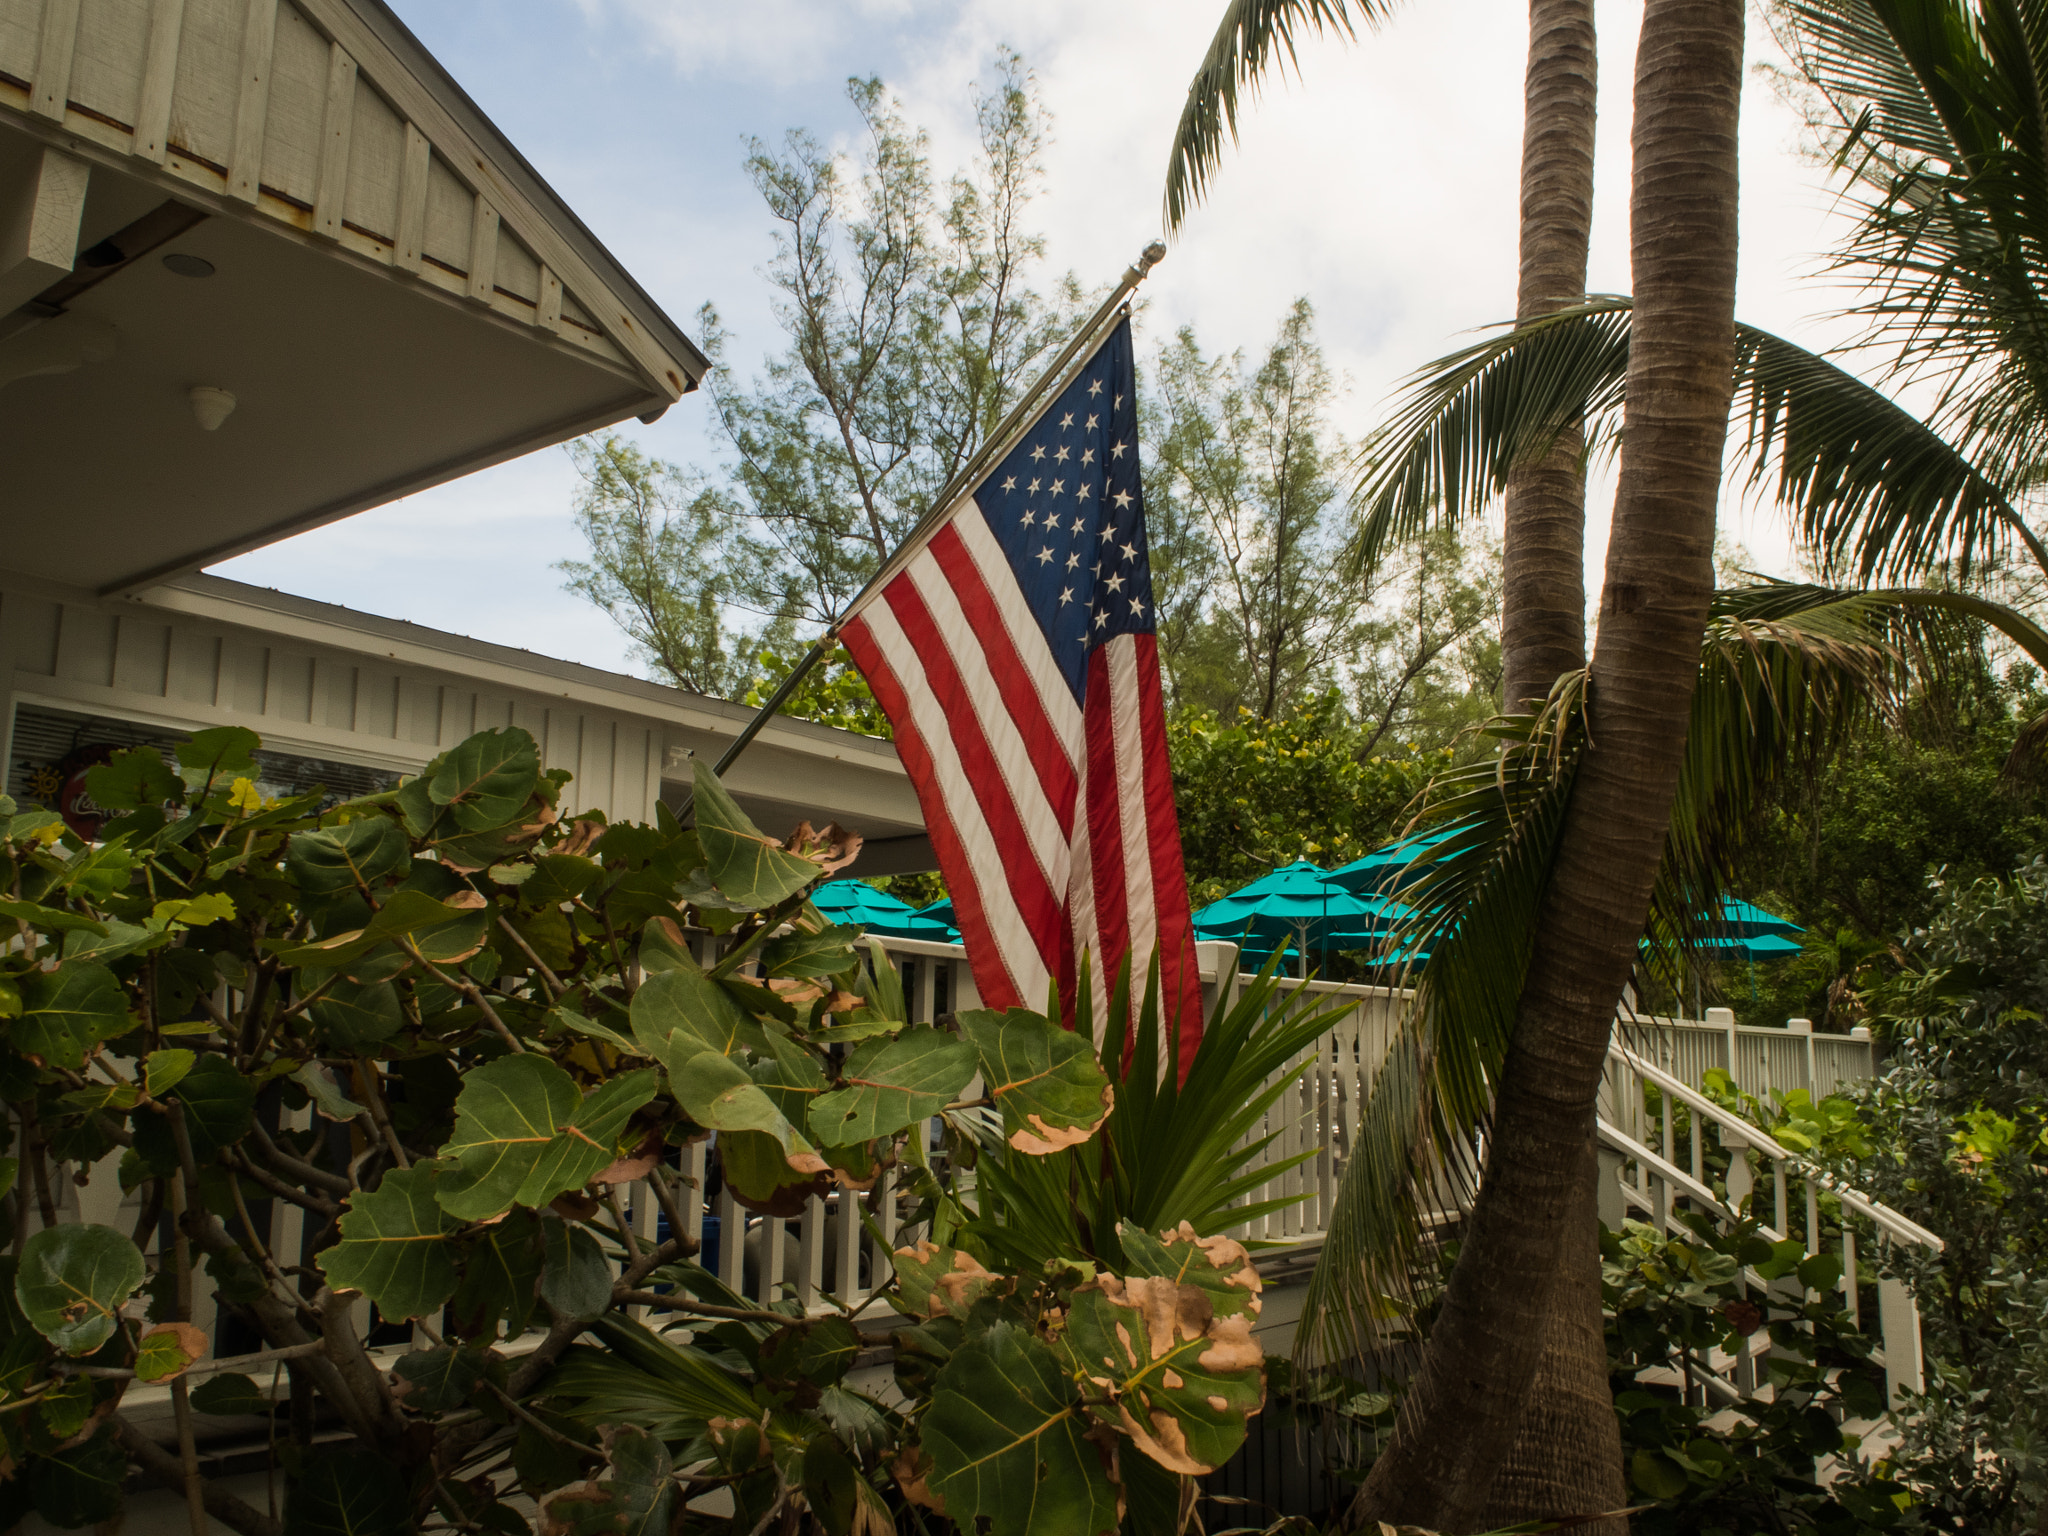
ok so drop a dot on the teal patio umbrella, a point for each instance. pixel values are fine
(1389, 868)
(1296, 903)
(940, 915)
(855, 901)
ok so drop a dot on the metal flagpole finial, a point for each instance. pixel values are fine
(1155, 253)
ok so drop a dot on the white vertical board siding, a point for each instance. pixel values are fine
(135, 663)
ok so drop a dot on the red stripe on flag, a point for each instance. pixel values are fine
(1020, 695)
(1034, 896)
(991, 977)
(1180, 982)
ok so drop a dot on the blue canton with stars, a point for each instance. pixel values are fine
(1068, 511)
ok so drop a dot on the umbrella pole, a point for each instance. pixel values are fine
(1303, 926)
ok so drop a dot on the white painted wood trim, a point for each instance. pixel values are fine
(335, 128)
(416, 103)
(483, 251)
(252, 105)
(547, 312)
(412, 201)
(51, 88)
(181, 714)
(473, 669)
(159, 79)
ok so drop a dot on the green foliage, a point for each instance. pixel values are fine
(1956, 1122)
(832, 693)
(374, 972)
(1750, 1464)
(1254, 793)
(915, 313)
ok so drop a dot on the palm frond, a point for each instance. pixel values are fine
(1468, 420)
(1251, 37)
(1875, 492)
(1476, 902)
(1171, 1151)
(1942, 125)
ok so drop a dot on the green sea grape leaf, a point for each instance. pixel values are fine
(750, 869)
(131, 780)
(826, 953)
(50, 919)
(396, 1245)
(500, 1274)
(681, 1012)
(590, 1029)
(357, 1016)
(357, 853)
(219, 1105)
(1051, 1088)
(68, 1011)
(438, 1380)
(638, 1499)
(164, 1070)
(575, 1279)
(1009, 1444)
(890, 1084)
(230, 1392)
(444, 932)
(81, 1484)
(347, 1490)
(487, 779)
(72, 1281)
(195, 911)
(169, 1350)
(1166, 1368)
(523, 1134)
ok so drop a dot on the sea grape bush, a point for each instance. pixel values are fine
(457, 1029)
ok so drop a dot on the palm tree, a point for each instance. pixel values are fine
(1566, 1445)
(1939, 117)
(1464, 1406)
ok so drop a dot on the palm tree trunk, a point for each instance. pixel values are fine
(1543, 598)
(1568, 1442)
(1464, 1407)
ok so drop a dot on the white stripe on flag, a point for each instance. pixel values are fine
(1012, 754)
(1014, 946)
(1127, 738)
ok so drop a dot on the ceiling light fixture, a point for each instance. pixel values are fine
(210, 406)
(186, 265)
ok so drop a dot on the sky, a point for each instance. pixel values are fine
(1379, 182)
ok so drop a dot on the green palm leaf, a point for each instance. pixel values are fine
(1941, 122)
(1251, 37)
(1874, 491)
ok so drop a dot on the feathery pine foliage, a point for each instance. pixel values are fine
(448, 1025)
(911, 322)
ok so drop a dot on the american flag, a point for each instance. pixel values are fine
(1017, 658)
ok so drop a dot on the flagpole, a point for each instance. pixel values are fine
(993, 447)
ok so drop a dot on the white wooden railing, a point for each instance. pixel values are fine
(1663, 1148)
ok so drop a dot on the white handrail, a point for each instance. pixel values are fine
(1887, 1220)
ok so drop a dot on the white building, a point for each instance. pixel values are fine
(263, 264)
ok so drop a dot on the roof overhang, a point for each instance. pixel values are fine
(395, 298)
